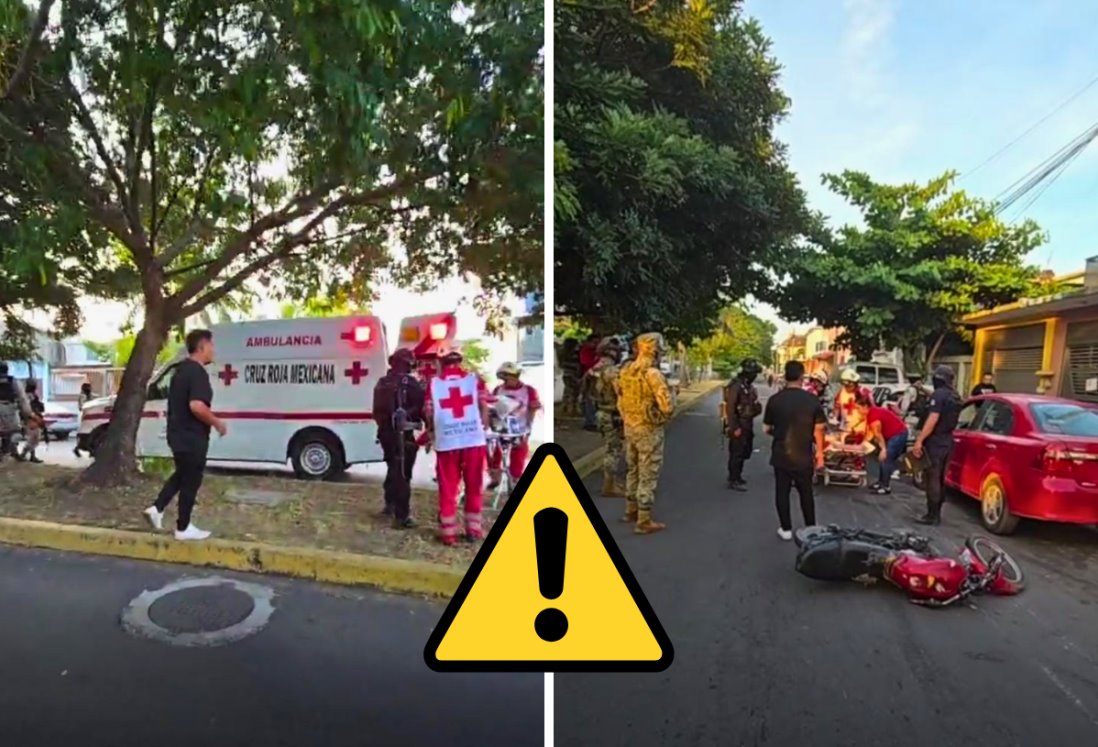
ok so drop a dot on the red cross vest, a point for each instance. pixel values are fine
(456, 413)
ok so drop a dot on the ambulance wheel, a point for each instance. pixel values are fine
(316, 455)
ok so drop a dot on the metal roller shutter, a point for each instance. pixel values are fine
(1016, 369)
(1081, 364)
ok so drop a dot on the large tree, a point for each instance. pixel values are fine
(924, 256)
(671, 189)
(738, 334)
(300, 146)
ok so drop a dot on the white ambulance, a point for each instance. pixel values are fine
(288, 389)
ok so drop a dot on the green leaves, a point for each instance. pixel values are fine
(925, 256)
(670, 188)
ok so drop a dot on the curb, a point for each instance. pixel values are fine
(591, 462)
(329, 566)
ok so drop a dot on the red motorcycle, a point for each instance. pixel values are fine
(909, 561)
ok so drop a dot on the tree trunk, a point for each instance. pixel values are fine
(934, 352)
(115, 458)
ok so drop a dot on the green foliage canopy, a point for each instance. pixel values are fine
(671, 190)
(739, 334)
(925, 255)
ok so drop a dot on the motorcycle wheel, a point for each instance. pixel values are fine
(986, 549)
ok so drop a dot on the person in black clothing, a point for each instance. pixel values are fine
(986, 386)
(398, 408)
(741, 402)
(189, 421)
(936, 440)
(796, 420)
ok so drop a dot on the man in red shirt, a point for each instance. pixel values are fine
(456, 412)
(528, 403)
(889, 433)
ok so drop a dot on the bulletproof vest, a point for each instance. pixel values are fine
(637, 403)
(747, 400)
(7, 390)
(605, 397)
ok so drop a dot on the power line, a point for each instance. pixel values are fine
(1090, 84)
(1052, 167)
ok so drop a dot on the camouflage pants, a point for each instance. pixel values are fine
(611, 440)
(644, 458)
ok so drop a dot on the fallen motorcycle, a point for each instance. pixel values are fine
(909, 561)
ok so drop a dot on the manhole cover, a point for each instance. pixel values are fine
(200, 612)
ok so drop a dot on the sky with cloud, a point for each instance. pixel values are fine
(905, 90)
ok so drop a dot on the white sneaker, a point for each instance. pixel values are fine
(156, 518)
(192, 532)
(785, 534)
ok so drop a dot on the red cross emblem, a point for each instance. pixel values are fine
(456, 403)
(228, 374)
(355, 373)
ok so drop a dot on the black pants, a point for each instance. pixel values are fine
(739, 451)
(937, 460)
(784, 480)
(190, 467)
(398, 482)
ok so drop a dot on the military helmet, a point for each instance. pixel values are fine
(402, 355)
(751, 367)
(608, 345)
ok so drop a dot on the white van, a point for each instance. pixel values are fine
(874, 374)
(297, 389)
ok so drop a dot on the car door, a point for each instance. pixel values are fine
(963, 438)
(990, 449)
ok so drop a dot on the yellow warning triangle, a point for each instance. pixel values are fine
(549, 591)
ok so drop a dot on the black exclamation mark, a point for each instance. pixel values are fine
(551, 541)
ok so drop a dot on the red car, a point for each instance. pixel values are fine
(1027, 456)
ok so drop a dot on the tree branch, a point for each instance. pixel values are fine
(30, 51)
(85, 118)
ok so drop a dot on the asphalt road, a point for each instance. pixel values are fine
(764, 656)
(334, 666)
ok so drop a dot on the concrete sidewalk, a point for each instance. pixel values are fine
(585, 448)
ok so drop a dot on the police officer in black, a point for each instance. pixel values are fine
(935, 441)
(398, 410)
(741, 408)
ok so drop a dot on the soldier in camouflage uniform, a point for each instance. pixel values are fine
(644, 401)
(570, 372)
(599, 384)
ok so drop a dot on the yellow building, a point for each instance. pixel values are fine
(1046, 345)
(792, 348)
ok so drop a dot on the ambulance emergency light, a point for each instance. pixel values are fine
(362, 334)
(438, 331)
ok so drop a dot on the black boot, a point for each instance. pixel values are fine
(932, 517)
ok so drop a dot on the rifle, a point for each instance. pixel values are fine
(401, 424)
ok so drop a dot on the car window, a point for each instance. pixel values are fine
(967, 417)
(868, 374)
(998, 418)
(1066, 419)
(159, 388)
(887, 375)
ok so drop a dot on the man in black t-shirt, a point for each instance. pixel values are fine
(797, 422)
(189, 421)
(936, 441)
(986, 386)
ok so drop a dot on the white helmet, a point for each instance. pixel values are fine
(449, 350)
(509, 369)
(850, 376)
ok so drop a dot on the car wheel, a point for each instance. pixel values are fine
(95, 439)
(994, 511)
(317, 456)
